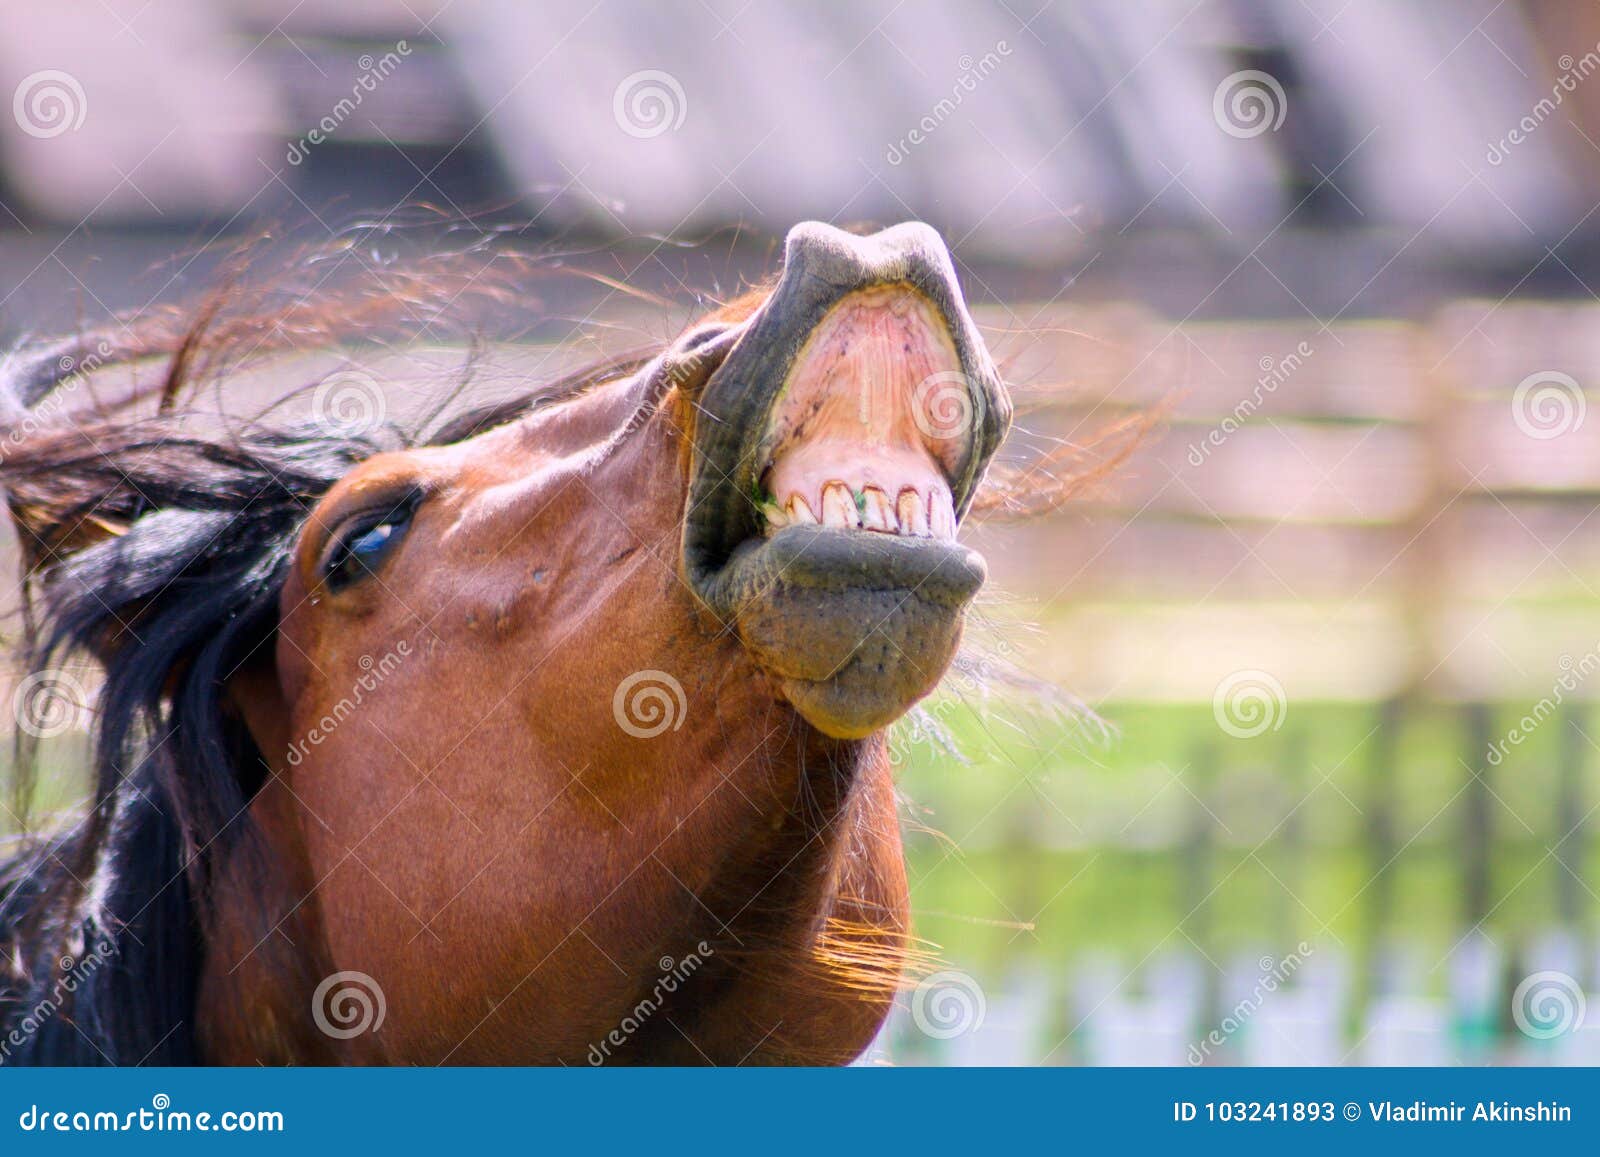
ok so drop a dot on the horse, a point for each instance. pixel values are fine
(551, 734)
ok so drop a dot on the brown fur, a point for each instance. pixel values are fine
(513, 881)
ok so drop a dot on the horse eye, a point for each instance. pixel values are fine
(360, 551)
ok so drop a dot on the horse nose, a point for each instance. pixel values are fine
(824, 263)
(825, 268)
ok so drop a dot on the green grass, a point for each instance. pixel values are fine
(1174, 835)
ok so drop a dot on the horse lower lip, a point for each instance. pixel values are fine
(855, 626)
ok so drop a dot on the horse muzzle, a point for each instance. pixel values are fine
(838, 447)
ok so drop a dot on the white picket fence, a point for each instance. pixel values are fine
(1477, 1006)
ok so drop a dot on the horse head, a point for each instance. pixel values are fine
(558, 734)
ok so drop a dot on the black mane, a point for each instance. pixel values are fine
(180, 596)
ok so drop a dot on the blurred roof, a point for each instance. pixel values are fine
(1018, 133)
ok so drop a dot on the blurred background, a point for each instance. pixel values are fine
(1328, 797)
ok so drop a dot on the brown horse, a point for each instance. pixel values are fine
(554, 736)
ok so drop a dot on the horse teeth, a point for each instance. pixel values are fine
(876, 513)
(913, 513)
(839, 507)
(941, 515)
(777, 518)
(843, 507)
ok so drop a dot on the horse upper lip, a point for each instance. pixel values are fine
(822, 267)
